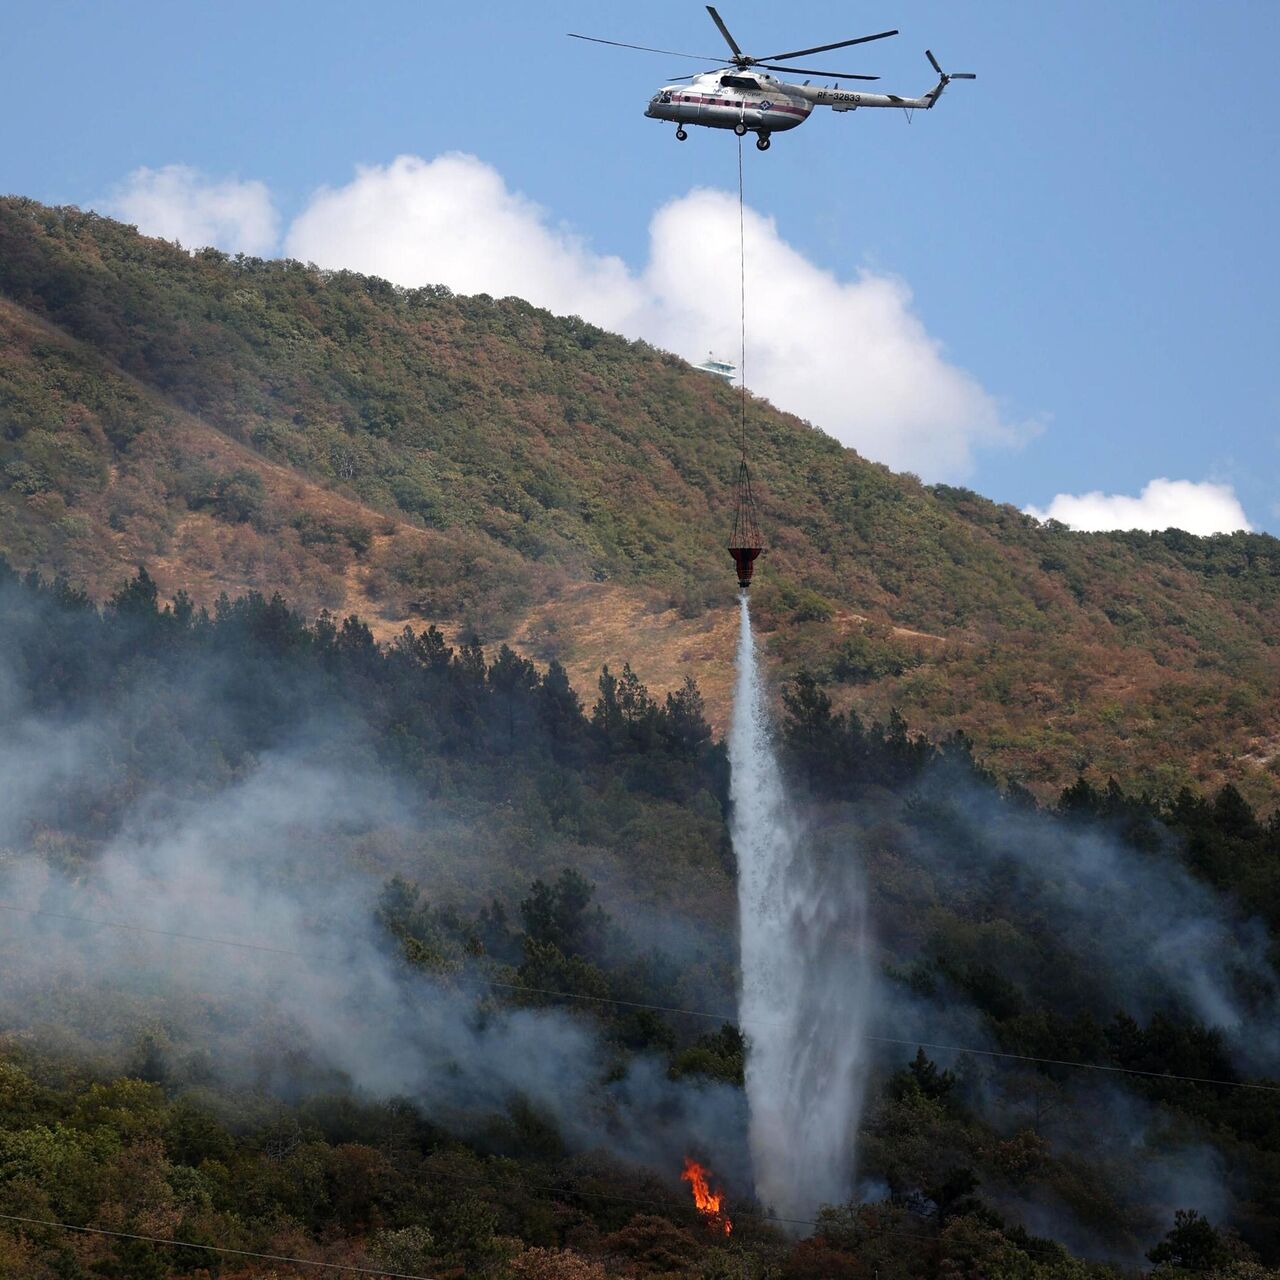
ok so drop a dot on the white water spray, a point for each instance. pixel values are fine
(805, 974)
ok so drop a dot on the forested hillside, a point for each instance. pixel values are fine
(409, 959)
(509, 474)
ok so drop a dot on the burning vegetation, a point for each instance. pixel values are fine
(709, 1202)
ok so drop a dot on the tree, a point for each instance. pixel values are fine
(239, 497)
(624, 715)
(895, 754)
(653, 1242)
(133, 1260)
(813, 734)
(555, 1264)
(1233, 816)
(639, 710)
(410, 1250)
(137, 597)
(922, 1073)
(1191, 1243)
(560, 712)
(606, 715)
(1080, 798)
(558, 914)
(512, 683)
(683, 725)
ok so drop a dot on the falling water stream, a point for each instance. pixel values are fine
(805, 973)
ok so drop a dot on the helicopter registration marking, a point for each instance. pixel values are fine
(836, 96)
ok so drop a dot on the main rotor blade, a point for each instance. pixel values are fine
(962, 75)
(808, 71)
(724, 31)
(933, 62)
(822, 48)
(644, 48)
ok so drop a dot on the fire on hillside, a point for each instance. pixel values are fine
(709, 1202)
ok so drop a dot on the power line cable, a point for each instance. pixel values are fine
(869, 1230)
(161, 933)
(345, 1268)
(1055, 1249)
(1085, 1066)
(642, 1202)
(535, 1186)
(494, 983)
(350, 1269)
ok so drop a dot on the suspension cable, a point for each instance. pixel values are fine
(742, 304)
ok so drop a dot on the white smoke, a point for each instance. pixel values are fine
(253, 870)
(240, 922)
(1187, 951)
(805, 976)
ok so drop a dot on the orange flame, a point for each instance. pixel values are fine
(708, 1201)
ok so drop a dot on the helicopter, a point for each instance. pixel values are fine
(739, 95)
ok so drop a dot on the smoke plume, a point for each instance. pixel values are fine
(239, 926)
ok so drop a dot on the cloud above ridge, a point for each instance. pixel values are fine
(1200, 508)
(453, 221)
(180, 203)
(850, 355)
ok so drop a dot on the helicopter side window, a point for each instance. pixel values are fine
(666, 97)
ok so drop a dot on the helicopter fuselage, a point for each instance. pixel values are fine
(749, 101)
(731, 100)
(739, 95)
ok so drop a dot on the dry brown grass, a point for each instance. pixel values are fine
(1040, 705)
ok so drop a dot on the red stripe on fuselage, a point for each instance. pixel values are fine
(740, 105)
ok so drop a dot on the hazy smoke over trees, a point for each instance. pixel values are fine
(239, 790)
(194, 844)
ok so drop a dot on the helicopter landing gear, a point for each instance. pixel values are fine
(681, 134)
(762, 142)
(740, 129)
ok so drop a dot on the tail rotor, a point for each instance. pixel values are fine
(944, 76)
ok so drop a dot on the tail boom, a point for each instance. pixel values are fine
(847, 100)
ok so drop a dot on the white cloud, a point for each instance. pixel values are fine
(452, 221)
(851, 356)
(1200, 508)
(180, 203)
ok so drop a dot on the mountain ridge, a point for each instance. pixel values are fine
(502, 471)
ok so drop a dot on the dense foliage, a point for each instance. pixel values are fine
(426, 456)
(127, 1128)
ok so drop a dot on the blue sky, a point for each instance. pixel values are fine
(1088, 229)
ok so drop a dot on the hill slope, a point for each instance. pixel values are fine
(416, 455)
